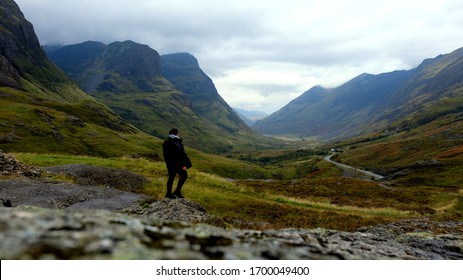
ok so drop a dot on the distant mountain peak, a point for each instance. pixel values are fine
(250, 117)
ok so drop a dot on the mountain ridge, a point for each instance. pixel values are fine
(369, 103)
(156, 93)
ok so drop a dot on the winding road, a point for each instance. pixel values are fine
(353, 169)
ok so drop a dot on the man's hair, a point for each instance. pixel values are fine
(173, 131)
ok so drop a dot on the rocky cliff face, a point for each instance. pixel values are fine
(20, 51)
(15, 32)
(18, 36)
(9, 77)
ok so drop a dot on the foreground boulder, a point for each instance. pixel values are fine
(39, 233)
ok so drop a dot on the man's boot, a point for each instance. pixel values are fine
(178, 193)
(169, 193)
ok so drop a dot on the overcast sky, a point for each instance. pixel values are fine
(263, 54)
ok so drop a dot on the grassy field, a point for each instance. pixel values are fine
(321, 199)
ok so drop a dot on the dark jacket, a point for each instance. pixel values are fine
(174, 154)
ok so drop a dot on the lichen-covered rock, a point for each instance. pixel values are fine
(181, 210)
(38, 233)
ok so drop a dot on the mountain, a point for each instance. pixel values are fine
(119, 67)
(388, 102)
(156, 93)
(43, 110)
(250, 117)
(183, 71)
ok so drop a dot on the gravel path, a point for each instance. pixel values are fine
(353, 169)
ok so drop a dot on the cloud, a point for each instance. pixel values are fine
(262, 54)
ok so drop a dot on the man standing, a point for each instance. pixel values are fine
(177, 162)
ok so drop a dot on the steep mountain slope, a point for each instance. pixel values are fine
(436, 90)
(42, 110)
(182, 70)
(373, 103)
(157, 93)
(21, 56)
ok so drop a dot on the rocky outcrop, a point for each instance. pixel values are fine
(9, 77)
(60, 195)
(88, 175)
(181, 210)
(20, 50)
(95, 187)
(9, 167)
(37, 233)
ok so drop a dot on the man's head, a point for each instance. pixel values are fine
(173, 131)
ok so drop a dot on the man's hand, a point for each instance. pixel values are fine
(184, 168)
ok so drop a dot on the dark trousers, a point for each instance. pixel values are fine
(172, 174)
